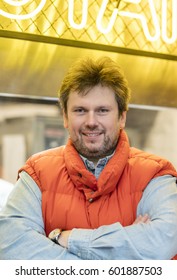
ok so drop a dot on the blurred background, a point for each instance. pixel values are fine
(40, 39)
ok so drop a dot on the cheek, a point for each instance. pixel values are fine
(73, 127)
(114, 129)
(114, 125)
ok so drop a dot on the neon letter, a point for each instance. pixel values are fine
(16, 3)
(21, 3)
(100, 16)
(71, 14)
(174, 22)
(143, 19)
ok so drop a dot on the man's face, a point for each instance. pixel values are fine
(93, 122)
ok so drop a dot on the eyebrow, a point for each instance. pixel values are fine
(85, 107)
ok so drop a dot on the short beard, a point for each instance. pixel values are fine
(95, 154)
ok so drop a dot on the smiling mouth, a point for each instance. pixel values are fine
(92, 134)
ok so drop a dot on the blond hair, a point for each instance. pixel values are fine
(87, 73)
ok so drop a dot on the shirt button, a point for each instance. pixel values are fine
(90, 200)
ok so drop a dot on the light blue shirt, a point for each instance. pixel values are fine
(96, 169)
(22, 234)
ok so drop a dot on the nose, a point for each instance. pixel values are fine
(91, 119)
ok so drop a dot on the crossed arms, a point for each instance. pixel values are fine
(152, 238)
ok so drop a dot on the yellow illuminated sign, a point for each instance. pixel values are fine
(71, 14)
(174, 22)
(143, 20)
(160, 28)
(21, 3)
(158, 32)
(116, 12)
(100, 16)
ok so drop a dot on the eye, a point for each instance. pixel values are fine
(79, 110)
(103, 110)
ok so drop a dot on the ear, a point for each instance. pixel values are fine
(123, 119)
(65, 120)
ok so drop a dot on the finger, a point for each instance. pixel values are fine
(145, 218)
(142, 219)
(138, 219)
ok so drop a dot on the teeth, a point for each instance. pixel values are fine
(92, 134)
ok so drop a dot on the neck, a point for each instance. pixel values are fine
(96, 159)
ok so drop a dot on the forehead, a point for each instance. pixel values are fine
(98, 95)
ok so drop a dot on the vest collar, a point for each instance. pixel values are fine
(109, 177)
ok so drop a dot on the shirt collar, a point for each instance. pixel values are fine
(96, 170)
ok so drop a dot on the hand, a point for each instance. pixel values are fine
(142, 219)
(63, 238)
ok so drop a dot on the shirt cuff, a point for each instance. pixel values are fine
(78, 242)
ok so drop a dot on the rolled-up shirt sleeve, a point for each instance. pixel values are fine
(154, 240)
(22, 234)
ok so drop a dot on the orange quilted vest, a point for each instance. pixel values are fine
(73, 198)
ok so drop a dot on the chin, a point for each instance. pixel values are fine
(93, 148)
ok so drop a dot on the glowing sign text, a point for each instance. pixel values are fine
(159, 32)
(21, 3)
(160, 29)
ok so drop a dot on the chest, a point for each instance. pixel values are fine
(69, 208)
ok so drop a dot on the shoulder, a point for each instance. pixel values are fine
(55, 152)
(140, 156)
(44, 162)
(145, 166)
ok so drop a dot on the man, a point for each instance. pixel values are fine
(96, 197)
